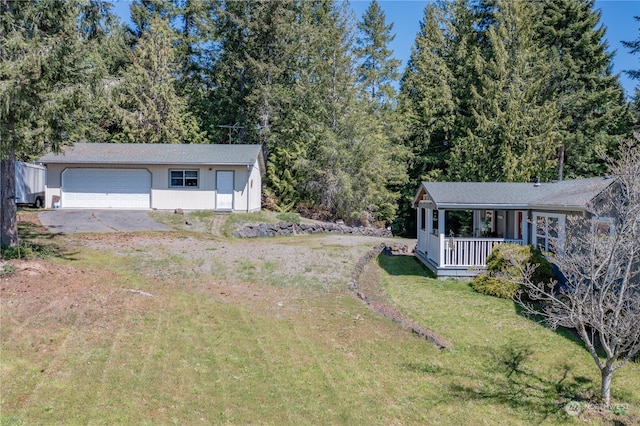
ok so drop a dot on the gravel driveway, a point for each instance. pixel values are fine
(73, 221)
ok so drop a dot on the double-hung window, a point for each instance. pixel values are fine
(183, 178)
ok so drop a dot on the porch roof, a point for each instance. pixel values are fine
(572, 194)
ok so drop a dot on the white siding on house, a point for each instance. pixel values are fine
(246, 187)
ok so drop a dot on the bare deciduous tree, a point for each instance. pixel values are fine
(600, 261)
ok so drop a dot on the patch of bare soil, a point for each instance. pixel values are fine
(42, 292)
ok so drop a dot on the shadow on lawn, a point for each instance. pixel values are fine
(35, 241)
(568, 333)
(516, 385)
(403, 265)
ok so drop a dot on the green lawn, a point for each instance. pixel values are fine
(211, 349)
(502, 363)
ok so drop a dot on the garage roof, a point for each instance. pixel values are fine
(151, 153)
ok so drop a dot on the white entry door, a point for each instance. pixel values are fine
(224, 190)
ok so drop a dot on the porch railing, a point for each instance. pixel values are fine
(469, 252)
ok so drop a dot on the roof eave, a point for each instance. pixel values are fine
(568, 208)
(151, 163)
(474, 206)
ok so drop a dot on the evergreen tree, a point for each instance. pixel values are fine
(108, 44)
(247, 75)
(634, 48)
(377, 69)
(197, 51)
(434, 97)
(515, 135)
(427, 100)
(148, 108)
(590, 98)
(96, 19)
(44, 75)
(142, 12)
(326, 152)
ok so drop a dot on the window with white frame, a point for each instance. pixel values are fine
(548, 231)
(183, 178)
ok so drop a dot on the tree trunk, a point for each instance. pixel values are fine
(605, 390)
(8, 225)
(560, 161)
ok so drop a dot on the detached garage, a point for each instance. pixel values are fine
(155, 176)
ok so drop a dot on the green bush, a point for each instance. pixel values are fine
(502, 277)
(289, 217)
(28, 250)
(6, 270)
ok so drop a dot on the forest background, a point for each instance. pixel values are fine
(493, 91)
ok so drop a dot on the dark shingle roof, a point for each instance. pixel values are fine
(567, 194)
(140, 153)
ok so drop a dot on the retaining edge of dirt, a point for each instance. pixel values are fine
(387, 310)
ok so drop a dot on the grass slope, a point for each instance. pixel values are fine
(241, 347)
(504, 368)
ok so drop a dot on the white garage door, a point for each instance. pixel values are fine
(106, 188)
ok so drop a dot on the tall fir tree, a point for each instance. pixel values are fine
(249, 68)
(149, 109)
(426, 98)
(45, 78)
(377, 69)
(634, 74)
(634, 49)
(197, 51)
(434, 100)
(142, 12)
(515, 133)
(108, 49)
(590, 98)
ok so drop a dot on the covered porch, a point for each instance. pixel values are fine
(455, 242)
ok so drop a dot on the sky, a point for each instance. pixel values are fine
(617, 17)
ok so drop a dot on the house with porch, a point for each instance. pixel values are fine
(459, 223)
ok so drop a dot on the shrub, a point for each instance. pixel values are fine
(289, 217)
(6, 269)
(502, 277)
(28, 250)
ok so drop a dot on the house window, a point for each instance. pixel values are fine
(423, 219)
(183, 178)
(434, 222)
(605, 226)
(548, 231)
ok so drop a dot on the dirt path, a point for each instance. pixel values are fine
(217, 223)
